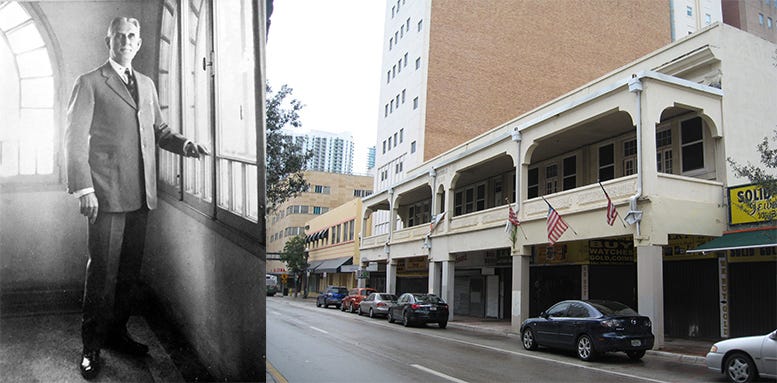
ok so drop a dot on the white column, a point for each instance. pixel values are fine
(519, 311)
(434, 278)
(391, 277)
(650, 289)
(448, 271)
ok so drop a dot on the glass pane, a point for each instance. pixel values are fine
(693, 157)
(223, 191)
(164, 55)
(238, 195)
(12, 15)
(252, 199)
(235, 80)
(25, 38)
(27, 156)
(9, 158)
(164, 90)
(167, 23)
(37, 93)
(34, 63)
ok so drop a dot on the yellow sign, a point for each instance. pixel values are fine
(751, 203)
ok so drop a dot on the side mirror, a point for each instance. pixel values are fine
(544, 315)
(773, 335)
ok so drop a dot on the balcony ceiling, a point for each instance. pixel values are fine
(585, 134)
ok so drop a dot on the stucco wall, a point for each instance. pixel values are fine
(211, 288)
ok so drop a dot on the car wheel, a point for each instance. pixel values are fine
(739, 368)
(528, 339)
(318, 303)
(351, 309)
(326, 306)
(585, 348)
(372, 314)
(342, 307)
(338, 306)
(443, 324)
(405, 319)
(635, 355)
(390, 317)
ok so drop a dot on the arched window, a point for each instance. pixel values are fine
(27, 96)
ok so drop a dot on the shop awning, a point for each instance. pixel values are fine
(740, 240)
(312, 265)
(332, 265)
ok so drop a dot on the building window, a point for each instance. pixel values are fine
(664, 151)
(361, 193)
(396, 37)
(391, 42)
(533, 183)
(393, 11)
(692, 144)
(397, 101)
(402, 31)
(399, 66)
(629, 157)
(412, 147)
(769, 22)
(606, 162)
(708, 18)
(407, 23)
(551, 179)
(689, 10)
(388, 76)
(401, 135)
(418, 63)
(384, 146)
(321, 189)
(394, 71)
(385, 114)
(27, 98)
(405, 64)
(186, 95)
(403, 95)
(420, 25)
(570, 173)
(395, 139)
(761, 18)
(415, 103)
(389, 143)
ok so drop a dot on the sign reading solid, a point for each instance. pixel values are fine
(751, 203)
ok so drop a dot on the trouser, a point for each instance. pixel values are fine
(116, 242)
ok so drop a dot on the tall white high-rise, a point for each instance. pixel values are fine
(332, 152)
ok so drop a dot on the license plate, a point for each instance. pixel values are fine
(636, 342)
(432, 308)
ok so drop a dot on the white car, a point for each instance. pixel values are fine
(745, 359)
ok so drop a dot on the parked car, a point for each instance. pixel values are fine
(745, 359)
(419, 308)
(377, 304)
(271, 282)
(333, 295)
(351, 301)
(591, 328)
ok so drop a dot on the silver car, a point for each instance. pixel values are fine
(745, 359)
(377, 304)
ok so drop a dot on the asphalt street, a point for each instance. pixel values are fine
(310, 344)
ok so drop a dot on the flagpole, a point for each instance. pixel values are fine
(613, 205)
(521, 227)
(546, 201)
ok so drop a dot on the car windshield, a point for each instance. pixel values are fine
(366, 292)
(340, 290)
(388, 297)
(424, 298)
(612, 308)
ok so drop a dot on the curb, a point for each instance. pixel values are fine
(687, 359)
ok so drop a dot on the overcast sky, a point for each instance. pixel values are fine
(329, 52)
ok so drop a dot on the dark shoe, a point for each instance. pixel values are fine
(90, 363)
(123, 343)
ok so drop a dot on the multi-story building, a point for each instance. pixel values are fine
(332, 241)
(371, 160)
(758, 17)
(327, 191)
(332, 152)
(689, 16)
(653, 137)
(451, 69)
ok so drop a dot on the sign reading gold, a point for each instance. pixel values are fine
(751, 203)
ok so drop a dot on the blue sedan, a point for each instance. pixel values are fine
(591, 328)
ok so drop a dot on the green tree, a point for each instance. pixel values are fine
(285, 158)
(296, 260)
(763, 176)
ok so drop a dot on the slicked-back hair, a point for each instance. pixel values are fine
(115, 23)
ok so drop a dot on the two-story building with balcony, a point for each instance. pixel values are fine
(655, 135)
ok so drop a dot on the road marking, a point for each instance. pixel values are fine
(437, 373)
(275, 373)
(546, 359)
(319, 330)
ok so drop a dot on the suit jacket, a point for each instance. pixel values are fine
(110, 140)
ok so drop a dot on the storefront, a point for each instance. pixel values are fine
(482, 283)
(412, 275)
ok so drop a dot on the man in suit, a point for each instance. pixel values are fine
(114, 125)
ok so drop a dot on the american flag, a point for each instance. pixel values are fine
(556, 226)
(512, 217)
(611, 212)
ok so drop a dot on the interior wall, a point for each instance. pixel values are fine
(211, 288)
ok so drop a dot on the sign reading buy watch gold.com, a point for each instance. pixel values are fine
(751, 203)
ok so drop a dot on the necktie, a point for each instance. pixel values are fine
(131, 85)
